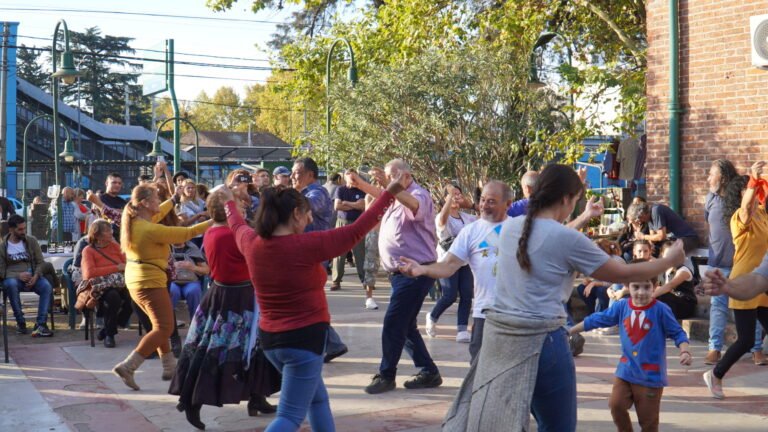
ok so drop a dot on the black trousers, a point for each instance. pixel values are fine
(115, 307)
(746, 321)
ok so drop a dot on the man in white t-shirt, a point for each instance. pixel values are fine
(477, 245)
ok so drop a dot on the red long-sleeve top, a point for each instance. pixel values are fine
(225, 260)
(286, 271)
(95, 264)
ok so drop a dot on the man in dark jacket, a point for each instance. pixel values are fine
(21, 267)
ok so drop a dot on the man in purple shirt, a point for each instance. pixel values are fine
(520, 207)
(407, 229)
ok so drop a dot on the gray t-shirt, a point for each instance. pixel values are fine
(721, 247)
(556, 253)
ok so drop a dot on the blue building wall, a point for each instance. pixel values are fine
(10, 113)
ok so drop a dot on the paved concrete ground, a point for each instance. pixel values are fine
(63, 384)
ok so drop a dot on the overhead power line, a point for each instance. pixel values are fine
(154, 60)
(144, 14)
(177, 53)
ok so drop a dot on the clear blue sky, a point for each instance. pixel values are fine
(221, 38)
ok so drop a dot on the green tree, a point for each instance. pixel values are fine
(605, 39)
(460, 115)
(28, 67)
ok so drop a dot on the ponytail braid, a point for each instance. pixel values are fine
(522, 247)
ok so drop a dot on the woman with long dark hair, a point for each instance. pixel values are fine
(212, 370)
(285, 268)
(525, 365)
(749, 227)
(721, 172)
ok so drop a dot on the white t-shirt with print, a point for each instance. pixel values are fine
(478, 245)
(556, 253)
(17, 252)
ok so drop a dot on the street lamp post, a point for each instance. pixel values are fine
(68, 154)
(157, 149)
(351, 74)
(67, 74)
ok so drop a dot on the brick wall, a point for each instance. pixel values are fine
(725, 99)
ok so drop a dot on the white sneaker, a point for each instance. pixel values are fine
(370, 304)
(82, 324)
(463, 336)
(431, 326)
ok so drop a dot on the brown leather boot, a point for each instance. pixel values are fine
(127, 367)
(712, 357)
(169, 366)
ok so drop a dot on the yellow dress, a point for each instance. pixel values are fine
(751, 242)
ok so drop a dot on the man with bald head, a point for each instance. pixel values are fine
(477, 245)
(407, 229)
(520, 207)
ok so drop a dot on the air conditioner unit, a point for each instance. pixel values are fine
(759, 37)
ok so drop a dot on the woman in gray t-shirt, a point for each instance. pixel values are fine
(526, 351)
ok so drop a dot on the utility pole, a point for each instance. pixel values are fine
(3, 106)
(127, 107)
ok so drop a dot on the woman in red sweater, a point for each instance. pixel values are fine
(220, 362)
(285, 267)
(102, 257)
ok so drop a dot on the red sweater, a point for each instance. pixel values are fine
(226, 262)
(286, 271)
(95, 264)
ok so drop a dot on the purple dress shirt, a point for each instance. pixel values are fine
(404, 234)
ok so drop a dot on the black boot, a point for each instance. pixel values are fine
(258, 404)
(193, 416)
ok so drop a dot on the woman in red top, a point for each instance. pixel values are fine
(220, 362)
(285, 267)
(102, 257)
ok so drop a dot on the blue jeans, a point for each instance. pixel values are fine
(597, 300)
(554, 396)
(42, 288)
(460, 284)
(400, 327)
(718, 318)
(192, 292)
(302, 391)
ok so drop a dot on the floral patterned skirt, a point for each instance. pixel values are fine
(214, 367)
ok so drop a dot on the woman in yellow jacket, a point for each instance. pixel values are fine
(146, 246)
(749, 226)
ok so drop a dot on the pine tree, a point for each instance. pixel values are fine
(28, 67)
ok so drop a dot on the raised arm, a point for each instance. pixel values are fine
(243, 233)
(445, 212)
(593, 209)
(750, 194)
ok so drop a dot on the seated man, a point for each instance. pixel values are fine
(663, 223)
(21, 267)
